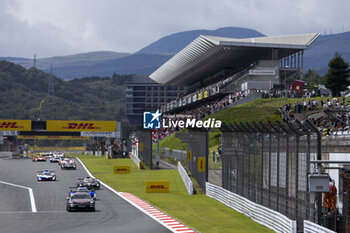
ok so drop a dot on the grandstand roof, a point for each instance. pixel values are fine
(209, 54)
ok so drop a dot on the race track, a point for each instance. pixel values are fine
(113, 214)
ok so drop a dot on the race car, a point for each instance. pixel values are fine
(80, 200)
(58, 154)
(48, 154)
(92, 192)
(89, 182)
(37, 158)
(54, 159)
(46, 175)
(68, 164)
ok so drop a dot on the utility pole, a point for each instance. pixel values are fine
(34, 61)
(51, 89)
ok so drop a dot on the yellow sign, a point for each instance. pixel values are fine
(199, 96)
(16, 125)
(205, 94)
(122, 169)
(201, 164)
(141, 146)
(188, 155)
(157, 186)
(77, 126)
(52, 137)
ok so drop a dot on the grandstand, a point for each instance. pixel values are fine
(219, 73)
(211, 68)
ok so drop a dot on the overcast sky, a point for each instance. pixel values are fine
(63, 27)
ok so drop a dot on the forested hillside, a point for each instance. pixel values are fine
(94, 98)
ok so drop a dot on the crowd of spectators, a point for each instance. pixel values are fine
(331, 123)
(201, 111)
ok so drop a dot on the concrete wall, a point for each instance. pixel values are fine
(5, 154)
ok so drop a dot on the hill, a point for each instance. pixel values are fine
(139, 64)
(149, 58)
(175, 42)
(323, 50)
(94, 98)
(144, 62)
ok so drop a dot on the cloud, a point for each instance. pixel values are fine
(61, 27)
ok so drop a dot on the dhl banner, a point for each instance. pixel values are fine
(77, 126)
(205, 94)
(157, 186)
(201, 164)
(52, 137)
(17, 125)
(121, 169)
(189, 158)
(141, 146)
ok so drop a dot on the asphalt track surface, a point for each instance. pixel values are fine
(113, 214)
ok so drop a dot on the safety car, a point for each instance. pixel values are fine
(92, 192)
(80, 201)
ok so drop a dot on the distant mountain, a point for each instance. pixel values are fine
(141, 64)
(148, 59)
(175, 42)
(144, 62)
(76, 60)
(323, 49)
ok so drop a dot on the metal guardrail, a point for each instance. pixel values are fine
(177, 155)
(185, 178)
(263, 215)
(136, 160)
(310, 227)
(97, 153)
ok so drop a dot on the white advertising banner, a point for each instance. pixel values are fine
(9, 133)
(98, 134)
(262, 72)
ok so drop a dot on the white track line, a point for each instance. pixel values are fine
(31, 195)
(140, 204)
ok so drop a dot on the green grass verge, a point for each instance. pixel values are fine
(200, 212)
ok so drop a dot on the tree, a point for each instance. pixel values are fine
(312, 79)
(338, 74)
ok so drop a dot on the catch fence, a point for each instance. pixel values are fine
(269, 164)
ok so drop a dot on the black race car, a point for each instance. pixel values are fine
(80, 201)
(89, 182)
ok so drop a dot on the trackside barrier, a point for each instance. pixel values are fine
(177, 155)
(97, 153)
(136, 160)
(185, 178)
(265, 216)
(310, 227)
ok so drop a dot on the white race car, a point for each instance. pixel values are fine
(46, 175)
(68, 164)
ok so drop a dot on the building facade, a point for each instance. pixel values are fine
(141, 97)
